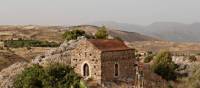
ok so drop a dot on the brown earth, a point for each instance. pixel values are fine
(54, 33)
(165, 45)
(7, 58)
(30, 32)
(13, 55)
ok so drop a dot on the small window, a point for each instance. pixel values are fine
(116, 69)
(86, 70)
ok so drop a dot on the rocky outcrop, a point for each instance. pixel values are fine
(58, 55)
(8, 75)
(61, 54)
(181, 60)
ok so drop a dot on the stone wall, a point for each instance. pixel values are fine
(125, 61)
(86, 53)
(152, 80)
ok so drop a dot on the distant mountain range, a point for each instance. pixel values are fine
(171, 31)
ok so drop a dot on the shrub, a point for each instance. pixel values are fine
(101, 33)
(192, 58)
(69, 35)
(52, 76)
(164, 66)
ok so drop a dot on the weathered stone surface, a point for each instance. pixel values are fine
(59, 55)
(8, 75)
(181, 60)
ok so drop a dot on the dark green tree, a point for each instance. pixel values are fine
(52, 76)
(164, 66)
(101, 33)
(69, 35)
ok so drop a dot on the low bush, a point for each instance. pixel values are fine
(52, 76)
(69, 35)
(101, 33)
(164, 66)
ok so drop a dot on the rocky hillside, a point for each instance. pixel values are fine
(61, 54)
(13, 55)
(8, 58)
(58, 55)
(54, 33)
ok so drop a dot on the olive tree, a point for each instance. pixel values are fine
(101, 33)
(164, 66)
(69, 35)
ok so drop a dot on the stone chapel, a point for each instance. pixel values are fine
(103, 60)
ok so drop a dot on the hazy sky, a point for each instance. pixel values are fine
(53, 12)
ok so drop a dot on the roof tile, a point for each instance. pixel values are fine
(109, 44)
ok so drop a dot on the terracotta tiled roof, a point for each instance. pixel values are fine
(109, 44)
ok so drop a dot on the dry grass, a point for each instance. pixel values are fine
(8, 58)
(164, 45)
(30, 54)
(38, 33)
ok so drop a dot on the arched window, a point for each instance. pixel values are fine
(86, 70)
(116, 69)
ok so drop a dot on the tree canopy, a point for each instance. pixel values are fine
(69, 35)
(102, 33)
(164, 66)
(52, 76)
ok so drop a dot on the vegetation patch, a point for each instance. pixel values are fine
(29, 43)
(75, 33)
(52, 76)
(101, 33)
(164, 66)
